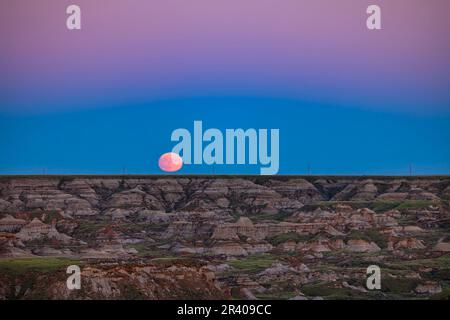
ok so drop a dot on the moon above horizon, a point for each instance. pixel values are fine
(170, 162)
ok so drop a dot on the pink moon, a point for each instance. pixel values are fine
(170, 162)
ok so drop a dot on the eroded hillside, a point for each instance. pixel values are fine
(243, 237)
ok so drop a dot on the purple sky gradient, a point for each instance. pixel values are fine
(346, 100)
(136, 51)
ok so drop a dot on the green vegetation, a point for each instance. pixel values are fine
(130, 228)
(320, 289)
(155, 227)
(415, 204)
(257, 217)
(23, 265)
(148, 249)
(432, 236)
(87, 229)
(443, 262)
(379, 238)
(167, 259)
(130, 292)
(254, 263)
(329, 291)
(143, 248)
(280, 216)
(285, 295)
(242, 237)
(372, 235)
(444, 295)
(50, 216)
(290, 236)
(376, 205)
(399, 285)
(439, 274)
(382, 206)
(445, 225)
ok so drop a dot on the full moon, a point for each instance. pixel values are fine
(170, 162)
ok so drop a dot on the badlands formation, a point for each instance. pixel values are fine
(167, 237)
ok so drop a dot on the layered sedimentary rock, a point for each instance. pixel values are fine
(245, 227)
(259, 236)
(10, 224)
(123, 282)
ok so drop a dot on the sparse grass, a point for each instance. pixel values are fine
(131, 292)
(379, 238)
(136, 228)
(357, 234)
(330, 291)
(276, 296)
(254, 263)
(372, 235)
(324, 289)
(382, 206)
(280, 216)
(398, 285)
(88, 228)
(415, 204)
(378, 205)
(167, 259)
(155, 227)
(258, 217)
(439, 275)
(242, 237)
(290, 236)
(444, 295)
(43, 265)
(50, 216)
(443, 262)
(445, 225)
(432, 236)
(144, 249)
